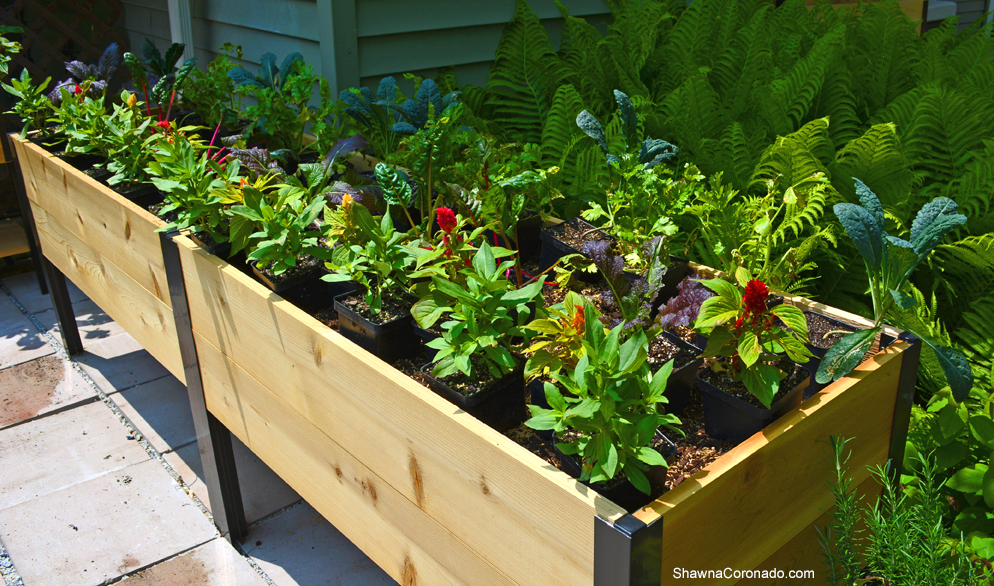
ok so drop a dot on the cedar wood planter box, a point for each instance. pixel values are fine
(429, 493)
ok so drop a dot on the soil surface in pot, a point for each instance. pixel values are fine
(465, 386)
(662, 351)
(685, 333)
(128, 190)
(818, 326)
(392, 307)
(592, 292)
(304, 264)
(696, 449)
(724, 382)
(575, 236)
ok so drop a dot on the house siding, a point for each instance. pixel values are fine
(393, 37)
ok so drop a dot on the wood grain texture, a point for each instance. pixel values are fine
(114, 227)
(147, 319)
(803, 552)
(392, 530)
(768, 489)
(473, 481)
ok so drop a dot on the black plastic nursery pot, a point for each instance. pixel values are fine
(220, 249)
(732, 419)
(528, 231)
(500, 404)
(388, 341)
(554, 249)
(812, 365)
(619, 490)
(682, 380)
(278, 285)
(425, 336)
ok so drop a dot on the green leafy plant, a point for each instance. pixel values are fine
(612, 401)
(33, 106)
(376, 114)
(156, 85)
(189, 178)
(287, 228)
(904, 540)
(124, 140)
(743, 331)
(558, 343)
(454, 249)
(81, 120)
(890, 261)
(8, 48)
(380, 264)
(211, 91)
(483, 315)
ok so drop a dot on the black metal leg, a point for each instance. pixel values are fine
(628, 553)
(902, 409)
(63, 308)
(213, 438)
(29, 223)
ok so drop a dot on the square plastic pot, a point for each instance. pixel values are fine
(500, 404)
(732, 419)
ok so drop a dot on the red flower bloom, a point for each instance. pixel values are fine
(445, 239)
(738, 323)
(579, 318)
(466, 260)
(446, 219)
(77, 90)
(448, 254)
(163, 124)
(755, 296)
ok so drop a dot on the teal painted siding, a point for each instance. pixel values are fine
(393, 37)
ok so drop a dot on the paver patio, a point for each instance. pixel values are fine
(101, 478)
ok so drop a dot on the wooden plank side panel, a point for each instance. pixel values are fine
(462, 473)
(804, 552)
(114, 227)
(381, 521)
(771, 487)
(143, 316)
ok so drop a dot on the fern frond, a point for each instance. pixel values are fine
(964, 272)
(791, 160)
(560, 126)
(976, 338)
(875, 159)
(973, 190)
(524, 76)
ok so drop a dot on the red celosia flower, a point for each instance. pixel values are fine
(579, 319)
(446, 219)
(448, 254)
(755, 296)
(445, 239)
(738, 323)
(163, 124)
(466, 260)
(77, 90)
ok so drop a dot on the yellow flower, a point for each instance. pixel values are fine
(132, 100)
(347, 202)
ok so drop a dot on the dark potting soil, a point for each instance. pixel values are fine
(696, 449)
(304, 264)
(687, 334)
(724, 382)
(328, 316)
(818, 326)
(466, 386)
(662, 351)
(575, 236)
(392, 307)
(534, 443)
(591, 291)
(129, 190)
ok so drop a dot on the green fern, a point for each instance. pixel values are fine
(524, 76)
(876, 159)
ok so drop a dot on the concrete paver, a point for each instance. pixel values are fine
(19, 340)
(40, 386)
(160, 410)
(263, 491)
(25, 288)
(62, 450)
(92, 322)
(215, 563)
(119, 362)
(300, 548)
(112, 525)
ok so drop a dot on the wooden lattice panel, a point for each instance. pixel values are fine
(61, 30)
